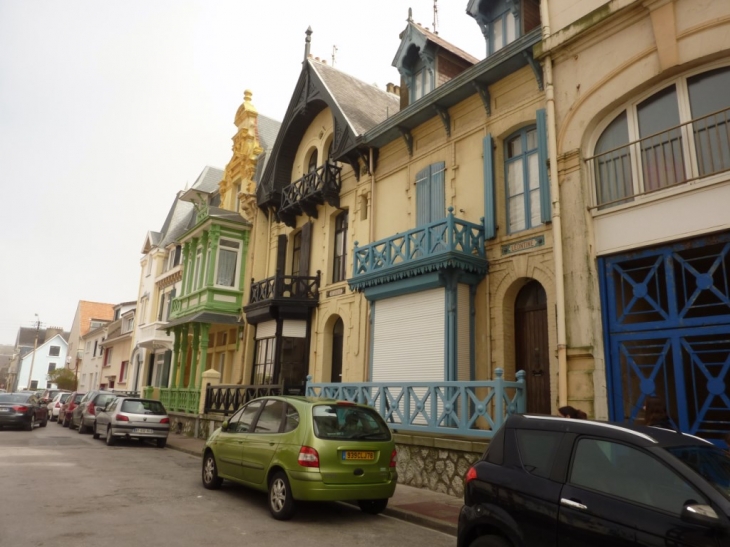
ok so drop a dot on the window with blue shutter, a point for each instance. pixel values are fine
(490, 213)
(526, 178)
(430, 194)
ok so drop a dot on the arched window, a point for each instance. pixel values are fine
(312, 165)
(523, 180)
(677, 134)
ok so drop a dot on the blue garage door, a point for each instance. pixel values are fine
(666, 315)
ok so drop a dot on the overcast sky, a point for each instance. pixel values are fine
(108, 108)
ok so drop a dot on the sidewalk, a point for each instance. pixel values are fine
(417, 505)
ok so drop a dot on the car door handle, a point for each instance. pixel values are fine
(573, 504)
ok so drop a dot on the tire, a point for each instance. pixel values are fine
(65, 422)
(31, 424)
(490, 541)
(82, 427)
(281, 503)
(110, 440)
(71, 423)
(94, 433)
(161, 443)
(373, 507)
(44, 423)
(211, 480)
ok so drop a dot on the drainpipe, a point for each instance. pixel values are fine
(557, 224)
(371, 216)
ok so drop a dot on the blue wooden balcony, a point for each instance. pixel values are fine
(446, 243)
(472, 409)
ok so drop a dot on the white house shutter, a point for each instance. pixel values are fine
(294, 329)
(463, 335)
(408, 338)
(266, 330)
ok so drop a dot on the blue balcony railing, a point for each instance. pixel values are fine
(449, 242)
(474, 409)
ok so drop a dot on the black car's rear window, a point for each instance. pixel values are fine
(136, 406)
(342, 421)
(14, 397)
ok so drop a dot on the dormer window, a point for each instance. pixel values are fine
(422, 83)
(504, 21)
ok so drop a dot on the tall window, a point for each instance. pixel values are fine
(296, 256)
(196, 273)
(263, 367)
(678, 134)
(340, 251)
(227, 261)
(430, 194)
(523, 180)
(312, 166)
(123, 371)
(422, 83)
(502, 31)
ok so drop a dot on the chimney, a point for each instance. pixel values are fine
(396, 90)
(390, 87)
(53, 331)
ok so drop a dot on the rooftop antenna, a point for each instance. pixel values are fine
(334, 53)
(435, 16)
(307, 42)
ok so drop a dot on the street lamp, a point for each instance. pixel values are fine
(35, 347)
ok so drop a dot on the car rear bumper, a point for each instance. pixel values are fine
(135, 433)
(309, 487)
(14, 419)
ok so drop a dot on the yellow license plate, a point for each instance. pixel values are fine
(358, 455)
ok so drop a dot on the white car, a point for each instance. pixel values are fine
(55, 405)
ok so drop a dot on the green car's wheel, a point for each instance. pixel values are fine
(281, 503)
(373, 507)
(211, 480)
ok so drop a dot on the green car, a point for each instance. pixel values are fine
(304, 448)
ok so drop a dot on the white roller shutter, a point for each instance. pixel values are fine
(408, 338)
(463, 371)
(266, 330)
(294, 329)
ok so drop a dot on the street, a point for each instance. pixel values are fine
(60, 488)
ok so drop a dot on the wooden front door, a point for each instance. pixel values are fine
(531, 345)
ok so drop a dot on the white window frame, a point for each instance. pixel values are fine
(237, 273)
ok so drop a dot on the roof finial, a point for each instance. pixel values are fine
(435, 16)
(410, 15)
(307, 41)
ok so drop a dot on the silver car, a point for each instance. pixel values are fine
(132, 418)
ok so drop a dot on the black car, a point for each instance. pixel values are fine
(23, 409)
(569, 483)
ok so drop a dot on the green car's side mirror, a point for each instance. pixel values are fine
(224, 426)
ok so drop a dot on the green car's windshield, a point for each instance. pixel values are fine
(347, 421)
(709, 462)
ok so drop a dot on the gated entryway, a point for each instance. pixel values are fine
(666, 314)
(531, 345)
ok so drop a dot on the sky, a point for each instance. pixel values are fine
(108, 108)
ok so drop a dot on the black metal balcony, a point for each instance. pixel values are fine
(313, 189)
(282, 296)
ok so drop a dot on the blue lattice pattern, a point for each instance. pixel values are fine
(450, 408)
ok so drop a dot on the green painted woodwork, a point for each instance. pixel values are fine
(180, 399)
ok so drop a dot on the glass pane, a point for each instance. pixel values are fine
(661, 144)
(516, 213)
(535, 218)
(514, 147)
(515, 182)
(249, 413)
(537, 450)
(270, 419)
(532, 140)
(533, 173)
(226, 268)
(710, 102)
(631, 474)
(354, 423)
(614, 182)
(292, 419)
(497, 34)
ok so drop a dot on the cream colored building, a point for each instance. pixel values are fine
(638, 108)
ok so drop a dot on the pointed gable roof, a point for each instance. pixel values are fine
(355, 105)
(426, 41)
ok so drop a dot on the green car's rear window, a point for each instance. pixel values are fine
(340, 421)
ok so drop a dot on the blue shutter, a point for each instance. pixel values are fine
(438, 191)
(423, 197)
(542, 160)
(490, 215)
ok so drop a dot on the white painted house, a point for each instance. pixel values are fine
(35, 366)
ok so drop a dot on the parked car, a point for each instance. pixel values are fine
(84, 414)
(568, 483)
(22, 409)
(47, 395)
(64, 414)
(299, 448)
(132, 418)
(54, 407)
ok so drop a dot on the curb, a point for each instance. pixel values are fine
(186, 450)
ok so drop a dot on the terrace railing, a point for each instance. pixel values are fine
(314, 188)
(474, 409)
(282, 286)
(689, 151)
(180, 399)
(449, 242)
(225, 399)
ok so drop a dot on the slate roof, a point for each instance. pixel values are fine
(176, 222)
(363, 105)
(217, 212)
(436, 39)
(268, 129)
(208, 179)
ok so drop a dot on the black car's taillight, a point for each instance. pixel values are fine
(470, 475)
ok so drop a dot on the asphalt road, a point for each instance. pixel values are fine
(61, 489)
